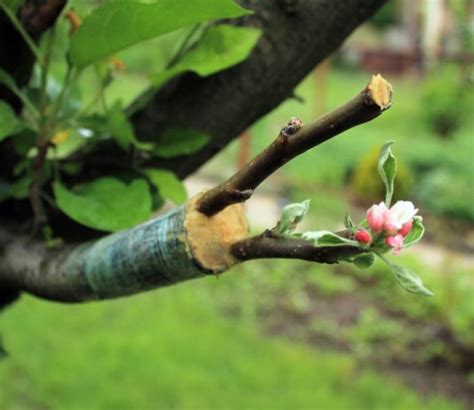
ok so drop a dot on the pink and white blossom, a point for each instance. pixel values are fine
(376, 216)
(399, 214)
(395, 242)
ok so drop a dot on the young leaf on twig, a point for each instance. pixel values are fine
(387, 168)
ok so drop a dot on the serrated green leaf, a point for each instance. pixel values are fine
(410, 281)
(387, 168)
(176, 142)
(219, 48)
(327, 238)
(168, 184)
(364, 261)
(122, 23)
(106, 204)
(291, 216)
(9, 123)
(416, 233)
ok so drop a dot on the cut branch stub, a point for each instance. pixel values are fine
(293, 140)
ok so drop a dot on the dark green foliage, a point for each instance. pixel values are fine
(71, 109)
(445, 100)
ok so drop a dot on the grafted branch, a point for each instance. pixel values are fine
(294, 139)
(186, 243)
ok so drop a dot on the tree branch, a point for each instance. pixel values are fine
(225, 104)
(186, 243)
(295, 139)
(266, 245)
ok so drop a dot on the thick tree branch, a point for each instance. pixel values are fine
(186, 243)
(295, 139)
(223, 105)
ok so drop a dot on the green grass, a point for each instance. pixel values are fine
(172, 349)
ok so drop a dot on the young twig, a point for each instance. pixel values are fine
(293, 140)
(267, 245)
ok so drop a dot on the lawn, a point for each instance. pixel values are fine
(173, 349)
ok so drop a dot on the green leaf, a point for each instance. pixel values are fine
(3, 352)
(327, 238)
(291, 216)
(410, 281)
(20, 189)
(219, 48)
(13, 5)
(73, 142)
(7, 80)
(175, 142)
(106, 204)
(122, 130)
(364, 261)
(416, 233)
(348, 223)
(9, 123)
(120, 24)
(168, 185)
(119, 126)
(387, 168)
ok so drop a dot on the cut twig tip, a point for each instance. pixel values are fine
(380, 91)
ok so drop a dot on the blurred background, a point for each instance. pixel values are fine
(290, 334)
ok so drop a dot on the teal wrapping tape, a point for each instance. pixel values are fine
(150, 255)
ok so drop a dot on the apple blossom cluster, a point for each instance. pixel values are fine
(388, 225)
(385, 228)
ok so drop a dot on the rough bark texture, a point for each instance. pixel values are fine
(151, 255)
(294, 41)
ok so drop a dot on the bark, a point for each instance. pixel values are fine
(295, 39)
(148, 256)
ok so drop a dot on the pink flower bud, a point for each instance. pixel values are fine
(406, 228)
(376, 216)
(363, 237)
(396, 242)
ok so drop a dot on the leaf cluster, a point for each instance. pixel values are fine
(57, 130)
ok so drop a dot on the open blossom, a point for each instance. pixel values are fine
(396, 242)
(363, 237)
(399, 214)
(376, 216)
